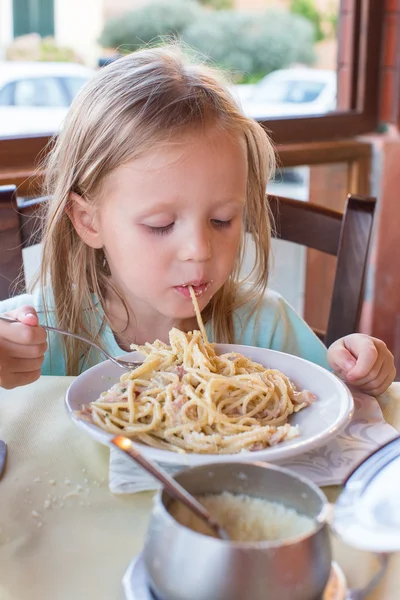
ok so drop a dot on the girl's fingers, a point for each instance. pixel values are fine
(378, 388)
(364, 350)
(374, 375)
(19, 333)
(17, 379)
(14, 350)
(341, 360)
(16, 365)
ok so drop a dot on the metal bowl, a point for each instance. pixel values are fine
(183, 564)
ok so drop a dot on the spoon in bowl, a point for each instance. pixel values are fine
(170, 484)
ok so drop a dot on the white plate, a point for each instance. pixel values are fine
(318, 423)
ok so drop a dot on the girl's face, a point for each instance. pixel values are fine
(171, 218)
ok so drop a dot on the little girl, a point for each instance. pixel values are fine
(154, 180)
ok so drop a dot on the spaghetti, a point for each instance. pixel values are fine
(186, 398)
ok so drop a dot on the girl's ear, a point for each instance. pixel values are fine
(84, 219)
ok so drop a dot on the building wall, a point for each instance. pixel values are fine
(382, 317)
(78, 24)
(116, 7)
(324, 5)
(6, 25)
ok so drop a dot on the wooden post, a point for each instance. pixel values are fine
(328, 187)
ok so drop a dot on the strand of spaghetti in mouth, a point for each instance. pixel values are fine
(187, 398)
(198, 314)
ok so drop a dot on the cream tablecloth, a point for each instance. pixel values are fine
(63, 535)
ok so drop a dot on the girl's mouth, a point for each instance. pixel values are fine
(199, 288)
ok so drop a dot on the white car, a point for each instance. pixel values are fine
(289, 92)
(35, 96)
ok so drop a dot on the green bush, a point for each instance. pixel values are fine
(249, 44)
(223, 38)
(332, 20)
(144, 25)
(33, 47)
(218, 4)
(308, 10)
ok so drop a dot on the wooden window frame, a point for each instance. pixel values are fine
(363, 75)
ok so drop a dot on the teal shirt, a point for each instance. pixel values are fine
(275, 325)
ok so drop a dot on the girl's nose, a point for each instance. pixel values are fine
(196, 246)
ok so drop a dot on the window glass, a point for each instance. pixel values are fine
(41, 91)
(6, 95)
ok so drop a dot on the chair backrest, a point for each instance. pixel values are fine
(10, 245)
(345, 235)
(18, 230)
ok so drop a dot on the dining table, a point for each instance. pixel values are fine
(64, 535)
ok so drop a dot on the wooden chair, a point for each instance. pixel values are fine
(18, 230)
(346, 236)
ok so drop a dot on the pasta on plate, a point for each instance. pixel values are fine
(186, 398)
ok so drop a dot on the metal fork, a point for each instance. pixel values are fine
(124, 364)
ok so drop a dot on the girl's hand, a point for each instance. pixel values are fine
(364, 362)
(22, 348)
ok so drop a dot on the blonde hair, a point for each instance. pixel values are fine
(144, 98)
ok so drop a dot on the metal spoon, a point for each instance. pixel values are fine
(171, 485)
(124, 364)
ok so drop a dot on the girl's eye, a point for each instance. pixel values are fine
(160, 230)
(221, 224)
